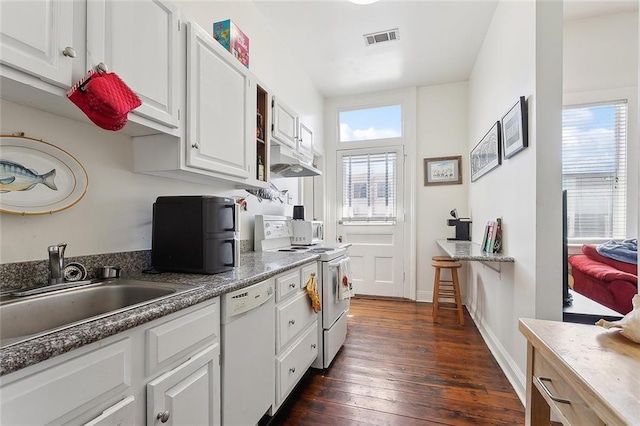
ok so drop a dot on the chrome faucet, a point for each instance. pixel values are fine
(56, 263)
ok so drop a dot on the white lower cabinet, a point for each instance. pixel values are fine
(113, 381)
(68, 385)
(296, 330)
(295, 361)
(184, 395)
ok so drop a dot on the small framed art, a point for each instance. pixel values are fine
(514, 129)
(443, 170)
(486, 154)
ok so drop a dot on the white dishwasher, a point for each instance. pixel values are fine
(248, 352)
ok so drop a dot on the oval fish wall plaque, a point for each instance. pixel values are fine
(37, 177)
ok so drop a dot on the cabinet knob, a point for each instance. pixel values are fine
(69, 52)
(101, 67)
(195, 145)
(292, 370)
(292, 322)
(164, 416)
(313, 346)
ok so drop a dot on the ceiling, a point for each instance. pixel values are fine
(438, 40)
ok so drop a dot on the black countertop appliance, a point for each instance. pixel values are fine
(463, 227)
(197, 234)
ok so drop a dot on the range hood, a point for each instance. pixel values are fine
(285, 162)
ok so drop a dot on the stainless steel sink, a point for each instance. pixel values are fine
(25, 317)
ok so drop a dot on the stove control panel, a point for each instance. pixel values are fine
(277, 229)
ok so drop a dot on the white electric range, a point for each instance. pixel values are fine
(273, 234)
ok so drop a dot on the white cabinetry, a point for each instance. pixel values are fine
(285, 122)
(145, 55)
(220, 107)
(219, 142)
(37, 38)
(63, 388)
(288, 129)
(296, 330)
(172, 363)
(184, 394)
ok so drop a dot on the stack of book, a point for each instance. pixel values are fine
(492, 241)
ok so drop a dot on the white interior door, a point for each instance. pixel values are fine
(370, 200)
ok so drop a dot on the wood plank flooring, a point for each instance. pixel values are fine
(399, 368)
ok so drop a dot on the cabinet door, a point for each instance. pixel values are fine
(305, 141)
(284, 129)
(221, 108)
(33, 38)
(145, 55)
(188, 394)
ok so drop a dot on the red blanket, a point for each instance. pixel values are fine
(590, 251)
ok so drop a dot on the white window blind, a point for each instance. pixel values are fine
(594, 172)
(369, 187)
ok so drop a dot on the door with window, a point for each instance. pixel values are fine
(371, 217)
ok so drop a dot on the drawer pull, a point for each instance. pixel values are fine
(292, 322)
(292, 370)
(292, 285)
(540, 381)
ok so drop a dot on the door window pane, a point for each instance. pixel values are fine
(371, 123)
(360, 173)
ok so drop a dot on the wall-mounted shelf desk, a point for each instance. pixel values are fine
(467, 250)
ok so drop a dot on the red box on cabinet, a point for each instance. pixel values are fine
(233, 39)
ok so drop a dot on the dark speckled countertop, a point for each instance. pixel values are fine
(255, 267)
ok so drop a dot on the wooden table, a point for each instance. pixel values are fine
(591, 376)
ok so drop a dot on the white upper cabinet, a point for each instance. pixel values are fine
(221, 105)
(138, 40)
(305, 140)
(289, 130)
(43, 46)
(285, 122)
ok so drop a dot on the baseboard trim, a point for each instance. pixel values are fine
(506, 363)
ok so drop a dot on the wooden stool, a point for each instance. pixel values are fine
(447, 289)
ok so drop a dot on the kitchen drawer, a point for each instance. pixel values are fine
(168, 342)
(69, 388)
(293, 363)
(292, 317)
(305, 273)
(287, 284)
(576, 411)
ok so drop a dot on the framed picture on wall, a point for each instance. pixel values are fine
(514, 129)
(443, 170)
(486, 154)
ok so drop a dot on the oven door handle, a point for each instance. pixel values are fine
(334, 265)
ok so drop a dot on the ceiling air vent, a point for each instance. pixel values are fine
(382, 36)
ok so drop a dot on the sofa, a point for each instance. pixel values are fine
(610, 282)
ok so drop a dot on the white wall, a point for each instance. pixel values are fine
(520, 56)
(441, 131)
(601, 63)
(115, 214)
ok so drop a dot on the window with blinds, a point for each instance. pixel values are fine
(594, 172)
(369, 187)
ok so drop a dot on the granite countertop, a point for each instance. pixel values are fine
(255, 267)
(467, 250)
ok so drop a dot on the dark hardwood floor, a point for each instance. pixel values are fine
(399, 368)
